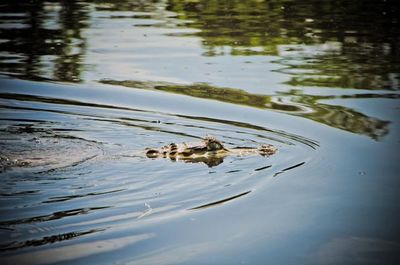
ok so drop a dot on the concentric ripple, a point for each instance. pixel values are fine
(71, 169)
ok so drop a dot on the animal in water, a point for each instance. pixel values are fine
(210, 151)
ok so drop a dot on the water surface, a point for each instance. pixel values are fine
(87, 86)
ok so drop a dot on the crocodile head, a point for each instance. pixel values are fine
(210, 151)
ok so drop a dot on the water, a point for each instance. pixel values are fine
(86, 86)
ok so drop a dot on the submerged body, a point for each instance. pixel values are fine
(210, 151)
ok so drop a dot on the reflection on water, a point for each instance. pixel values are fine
(334, 43)
(328, 45)
(43, 39)
(332, 115)
(364, 53)
(320, 43)
(49, 217)
(45, 240)
(76, 183)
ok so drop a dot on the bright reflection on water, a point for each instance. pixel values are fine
(87, 86)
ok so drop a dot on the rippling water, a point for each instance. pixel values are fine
(71, 168)
(86, 87)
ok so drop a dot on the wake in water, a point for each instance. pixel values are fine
(71, 169)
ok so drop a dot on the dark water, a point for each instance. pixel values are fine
(85, 87)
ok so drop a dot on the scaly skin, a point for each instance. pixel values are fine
(210, 151)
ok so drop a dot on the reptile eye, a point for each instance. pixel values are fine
(152, 153)
(187, 153)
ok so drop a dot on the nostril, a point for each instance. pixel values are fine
(267, 149)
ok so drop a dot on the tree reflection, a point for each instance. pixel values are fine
(307, 106)
(40, 39)
(340, 44)
(368, 33)
(43, 39)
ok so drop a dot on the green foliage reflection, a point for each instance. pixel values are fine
(307, 106)
(367, 34)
